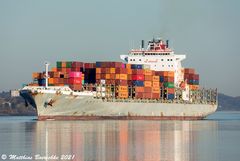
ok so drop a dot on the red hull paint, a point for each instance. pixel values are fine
(86, 118)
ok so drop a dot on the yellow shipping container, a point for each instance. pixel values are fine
(122, 95)
(122, 88)
(123, 76)
(112, 70)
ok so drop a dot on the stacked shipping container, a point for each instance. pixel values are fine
(129, 80)
(191, 78)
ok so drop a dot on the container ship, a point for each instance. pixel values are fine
(148, 84)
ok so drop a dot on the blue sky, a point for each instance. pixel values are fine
(32, 32)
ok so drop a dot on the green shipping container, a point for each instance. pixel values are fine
(82, 81)
(59, 64)
(169, 84)
(69, 64)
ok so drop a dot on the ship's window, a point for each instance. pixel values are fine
(172, 65)
(171, 59)
(162, 65)
(133, 59)
(167, 59)
(168, 65)
(130, 59)
(139, 59)
(161, 59)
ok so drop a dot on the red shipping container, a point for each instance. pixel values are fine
(168, 79)
(77, 64)
(155, 95)
(108, 70)
(189, 70)
(148, 77)
(147, 89)
(129, 82)
(138, 71)
(116, 64)
(170, 90)
(138, 77)
(121, 71)
(76, 87)
(147, 95)
(75, 69)
(75, 74)
(121, 82)
(139, 95)
(75, 80)
(108, 82)
(89, 65)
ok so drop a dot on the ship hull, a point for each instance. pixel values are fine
(67, 107)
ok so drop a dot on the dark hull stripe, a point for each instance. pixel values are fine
(86, 118)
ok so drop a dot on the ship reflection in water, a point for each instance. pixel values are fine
(128, 140)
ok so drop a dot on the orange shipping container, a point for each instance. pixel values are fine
(147, 83)
(107, 76)
(148, 72)
(129, 71)
(37, 75)
(51, 80)
(129, 77)
(54, 69)
(155, 90)
(98, 76)
(155, 78)
(139, 89)
(98, 70)
(168, 73)
(128, 66)
(155, 84)
(112, 76)
(64, 64)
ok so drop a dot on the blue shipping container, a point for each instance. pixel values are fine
(161, 79)
(138, 83)
(98, 64)
(170, 96)
(136, 66)
(41, 82)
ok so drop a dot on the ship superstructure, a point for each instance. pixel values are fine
(159, 57)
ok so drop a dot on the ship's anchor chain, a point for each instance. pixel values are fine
(49, 102)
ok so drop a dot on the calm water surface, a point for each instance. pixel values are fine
(215, 139)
